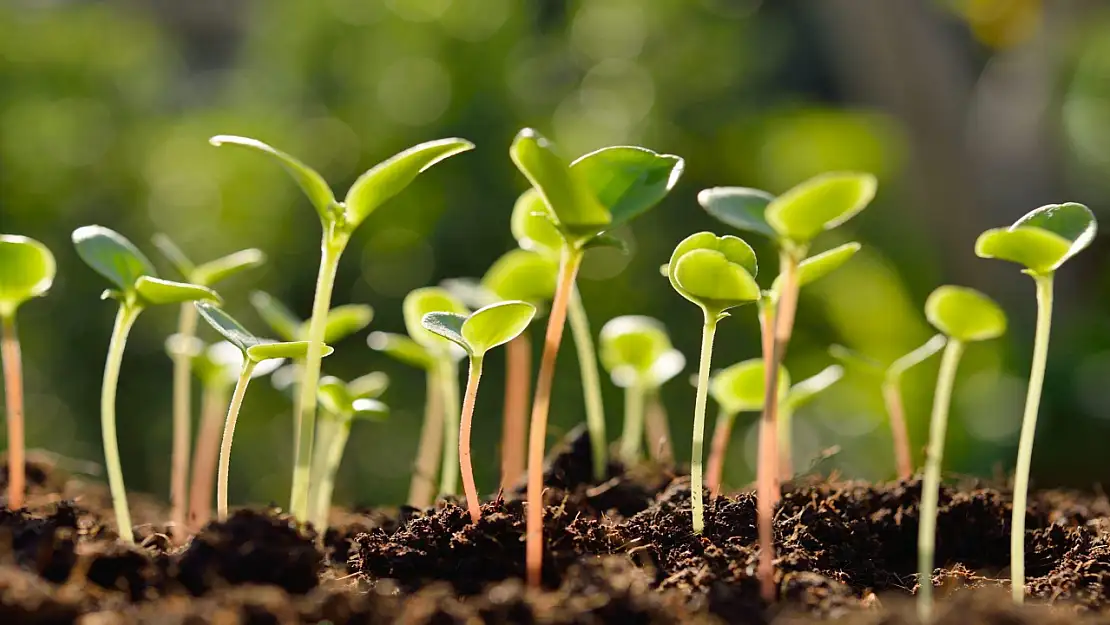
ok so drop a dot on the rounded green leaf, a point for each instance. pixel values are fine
(713, 272)
(391, 176)
(736, 249)
(227, 326)
(628, 180)
(333, 396)
(803, 392)
(816, 267)
(422, 301)
(573, 204)
(522, 275)
(208, 274)
(164, 244)
(819, 204)
(369, 409)
(154, 291)
(312, 183)
(534, 227)
(372, 385)
(401, 348)
(1043, 239)
(112, 256)
(630, 347)
(276, 315)
(1071, 220)
(27, 270)
(741, 387)
(965, 314)
(343, 321)
(739, 207)
(293, 350)
(496, 324)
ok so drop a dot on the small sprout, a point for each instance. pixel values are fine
(137, 286)
(254, 351)
(716, 273)
(477, 333)
(27, 271)
(799, 395)
(338, 219)
(963, 315)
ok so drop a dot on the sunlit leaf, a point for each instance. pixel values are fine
(214, 271)
(628, 180)
(156, 291)
(667, 367)
(820, 265)
(573, 204)
(422, 301)
(965, 314)
(1043, 239)
(447, 325)
(343, 321)
(333, 396)
(496, 324)
(27, 270)
(470, 291)
(292, 350)
(533, 226)
(712, 271)
(739, 207)
(630, 346)
(372, 385)
(803, 392)
(401, 348)
(820, 203)
(227, 326)
(369, 409)
(312, 183)
(280, 319)
(112, 256)
(523, 275)
(742, 387)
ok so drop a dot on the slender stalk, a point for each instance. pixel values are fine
(696, 452)
(568, 269)
(449, 389)
(658, 430)
(331, 248)
(213, 408)
(930, 488)
(518, 371)
(229, 434)
(591, 382)
(422, 488)
(182, 418)
(125, 318)
(327, 430)
(633, 435)
(1028, 429)
(325, 489)
(473, 377)
(892, 397)
(13, 403)
(786, 443)
(722, 432)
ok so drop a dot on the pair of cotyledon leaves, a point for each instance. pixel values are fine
(1043, 239)
(27, 270)
(341, 322)
(742, 386)
(637, 352)
(357, 399)
(483, 329)
(211, 272)
(253, 348)
(421, 348)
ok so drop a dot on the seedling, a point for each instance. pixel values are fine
(792, 220)
(963, 315)
(137, 286)
(892, 392)
(206, 274)
(477, 333)
(1041, 241)
(799, 395)
(27, 271)
(343, 403)
(596, 193)
(254, 351)
(339, 220)
(717, 274)
(342, 321)
(639, 357)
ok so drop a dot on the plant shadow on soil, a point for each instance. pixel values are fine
(616, 552)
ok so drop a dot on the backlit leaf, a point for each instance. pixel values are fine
(343, 321)
(27, 270)
(112, 256)
(630, 346)
(311, 182)
(227, 326)
(533, 225)
(447, 325)
(628, 180)
(742, 387)
(819, 204)
(713, 272)
(739, 207)
(422, 301)
(496, 324)
(1043, 239)
(965, 314)
(154, 291)
(213, 271)
(573, 204)
(522, 275)
(292, 350)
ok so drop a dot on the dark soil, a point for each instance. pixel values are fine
(619, 551)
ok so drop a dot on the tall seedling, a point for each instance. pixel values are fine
(339, 220)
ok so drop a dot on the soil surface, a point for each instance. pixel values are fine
(618, 551)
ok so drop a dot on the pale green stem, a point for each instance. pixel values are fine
(327, 428)
(474, 376)
(229, 434)
(448, 374)
(13, 402)
(633, 434)
(591, 382)
(696, 453)
(786, 441)
(182, 419)
(930, 488)
(422, 488)
(125, 318)
(1028, 429)
(331, 248)
(337, 442)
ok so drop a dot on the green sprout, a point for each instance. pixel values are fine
(254, 351)
(339, 220)
(892, 392)
(799, 395)
(963, 315)
(206, 274)
(596, 193)
(639, 357)
(27, 271)
(477, 333)
(118, 260)
(792, 220)
(343, 403)
(1041, 241)
(717, 274)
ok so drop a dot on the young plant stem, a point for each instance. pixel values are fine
(786, 443)
(718, 449)
(658, 430)
(327, 429)
(591, 382)
(1028, 429)
(930, 488)
(518, 371)
(448, 372)
(125, 318)
(422, 488)
(633, 435)
(229, 434)
(700, 400)
(213, 408)
(182, 418)
(892, 397)
(473, 377)
(331, 248)
(568, 269)
(339, 430)
(13, 403)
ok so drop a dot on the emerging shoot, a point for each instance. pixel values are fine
(799, 395)
(738, 388)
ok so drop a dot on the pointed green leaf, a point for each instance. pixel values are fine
(448, 325)
(154, 291)
(496, 324)
(741, 387)
(965, 314)
(803, 392)
(816, 267)
(293, 350)
(628, 180)
(572, 203)
(333, 396)
(401, 348)
(522, 275)
(27, 270)
(819, 204)
(423, 301)
(533, 225)
(391, 176)
(343, 321)
(208, 274)
(372, 385)
(227, 326)
(630, 346)
(855, 359)
(369, 409)
(174, 255)
(312, 183)
(739, 207)
(112, 256)
(1043, 239)
(280, 319)
(917, 356)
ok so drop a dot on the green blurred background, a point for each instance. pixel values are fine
(971, 112)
